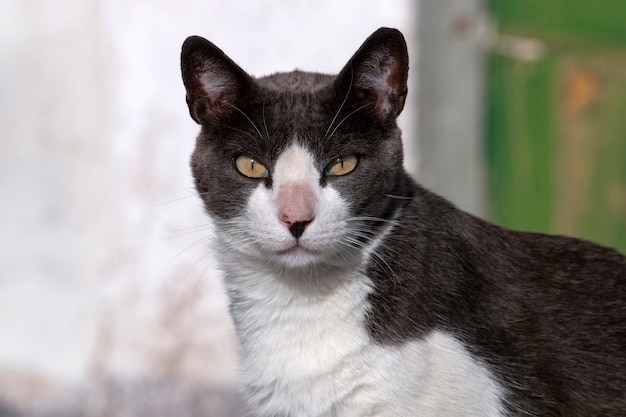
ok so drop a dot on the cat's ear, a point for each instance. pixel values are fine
(375, 78)
(215, 84)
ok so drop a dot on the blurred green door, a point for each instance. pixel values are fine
(557, 118)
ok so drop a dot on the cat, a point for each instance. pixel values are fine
(357, 292)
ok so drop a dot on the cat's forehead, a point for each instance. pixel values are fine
(296, 81)
(290, 107)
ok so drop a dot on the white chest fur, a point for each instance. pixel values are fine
(300, 308)
(313, 357)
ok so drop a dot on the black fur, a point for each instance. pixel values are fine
(547, 314)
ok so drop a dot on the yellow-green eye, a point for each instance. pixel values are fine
(341, 166)
(250, 167)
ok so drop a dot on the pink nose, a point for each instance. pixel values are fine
(296, 207)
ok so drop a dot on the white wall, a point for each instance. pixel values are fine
(103, 267)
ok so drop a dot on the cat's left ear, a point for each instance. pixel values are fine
(375, 78)
(216, 86)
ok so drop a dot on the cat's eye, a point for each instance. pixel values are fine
(250, 167)
(341, 166)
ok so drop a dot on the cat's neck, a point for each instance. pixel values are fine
(250, 280)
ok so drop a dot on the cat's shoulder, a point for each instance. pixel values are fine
(431, 216)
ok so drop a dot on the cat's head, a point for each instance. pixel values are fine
(299, 169)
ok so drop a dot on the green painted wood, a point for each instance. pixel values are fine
(597, 21)
(556, 128)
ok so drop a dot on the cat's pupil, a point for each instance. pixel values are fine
(341, 165)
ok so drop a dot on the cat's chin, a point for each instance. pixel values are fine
(298, 256)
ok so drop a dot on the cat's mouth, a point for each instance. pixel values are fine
(298, 250)
(298, 255)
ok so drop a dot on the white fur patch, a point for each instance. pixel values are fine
(304, 356)
(301, 318)
(215, 81)
(295, 164)
(375, 77)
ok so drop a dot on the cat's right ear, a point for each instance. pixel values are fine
(215, 84)
(375, 78)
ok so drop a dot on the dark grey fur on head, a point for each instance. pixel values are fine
(331, 116)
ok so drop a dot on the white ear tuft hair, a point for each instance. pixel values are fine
(377, 74)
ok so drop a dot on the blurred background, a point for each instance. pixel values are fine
(110, 304)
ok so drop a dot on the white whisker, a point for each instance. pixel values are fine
(238, 130)
(186, 248)
(267, 133)
(398, 197)
(194, 195)
(247, 118)
(341, 106)
(346, 118)
(185, 231)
